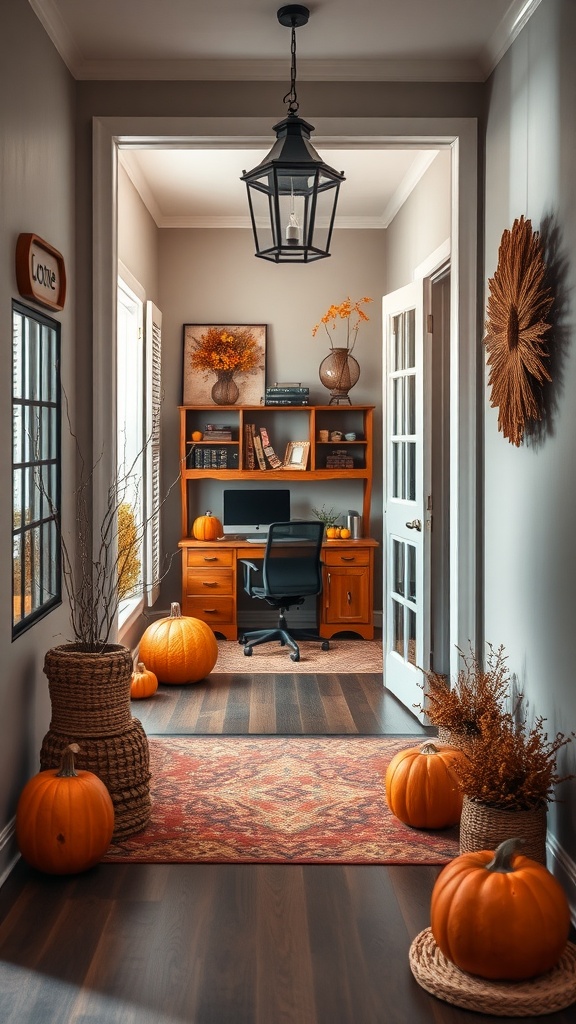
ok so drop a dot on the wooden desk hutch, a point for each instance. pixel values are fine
(209, 569)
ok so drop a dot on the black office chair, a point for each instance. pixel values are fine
(291, 571)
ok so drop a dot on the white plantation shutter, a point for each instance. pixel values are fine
(154, 391)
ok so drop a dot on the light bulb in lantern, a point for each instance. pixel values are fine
(293, 230)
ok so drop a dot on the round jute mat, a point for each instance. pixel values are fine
(547, 993)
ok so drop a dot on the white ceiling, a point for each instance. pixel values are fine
(370, 40)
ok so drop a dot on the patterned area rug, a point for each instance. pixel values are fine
(277, 799)
(343, 656)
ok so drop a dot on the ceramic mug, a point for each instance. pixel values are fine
(350, 437)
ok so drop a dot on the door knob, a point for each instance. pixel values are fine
(416, 524)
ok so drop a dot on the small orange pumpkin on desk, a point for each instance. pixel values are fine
(499, 915)
(207, 527)
(332, 532)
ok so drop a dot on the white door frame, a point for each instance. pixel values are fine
(457, 134)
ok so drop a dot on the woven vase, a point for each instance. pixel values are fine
(90, 695)
(339, 372)
(484, 828)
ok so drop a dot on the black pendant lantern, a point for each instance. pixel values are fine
(292, 193)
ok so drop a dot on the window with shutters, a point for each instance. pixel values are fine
(138, 450)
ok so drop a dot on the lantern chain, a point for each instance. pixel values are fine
(291, 98)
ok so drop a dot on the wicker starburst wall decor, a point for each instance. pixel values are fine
(518, 306)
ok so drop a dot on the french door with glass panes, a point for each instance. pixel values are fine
(406, 469)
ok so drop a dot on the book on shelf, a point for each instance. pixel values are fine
(287, 389)
(259, 451)
(217, 435)
(249, 459)
(275, 462)
(286, 384)
(286, 400)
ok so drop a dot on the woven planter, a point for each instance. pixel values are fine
(451, 739)
(484, 828)
(90, 695)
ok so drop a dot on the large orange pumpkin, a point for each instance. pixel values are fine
(422, 786)
(144, 682)
(64, 818)
(179, 648)
(207, 527)
(499, 915)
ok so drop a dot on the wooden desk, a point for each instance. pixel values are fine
(210, 581)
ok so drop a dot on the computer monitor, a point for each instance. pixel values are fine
(250, 511)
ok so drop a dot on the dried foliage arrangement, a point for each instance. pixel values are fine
(518, 306)
(479, 693)
(510, 765)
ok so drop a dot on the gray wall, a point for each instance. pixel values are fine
(137, 237)
(530, 492)
(36, 195)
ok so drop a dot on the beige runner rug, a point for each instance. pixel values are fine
(356, 656)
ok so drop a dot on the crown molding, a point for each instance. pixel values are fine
(478, 70)
(516, 17)
(416, 171)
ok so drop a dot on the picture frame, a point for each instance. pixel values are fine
(296, 455)
(224, 364)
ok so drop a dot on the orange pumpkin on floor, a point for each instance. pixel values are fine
(207, 527)
(144, 682)
(422, 786)
(499, 915)
(179, 648)
(64, 818)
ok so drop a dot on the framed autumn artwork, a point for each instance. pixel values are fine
(224, 364)
(517, 323)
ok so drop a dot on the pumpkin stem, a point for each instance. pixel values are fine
(67, 770)
(140, 667)
(503, 855)
(175, 612)
(429, 748)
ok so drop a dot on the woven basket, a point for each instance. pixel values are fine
(484, 828)
(90, 695)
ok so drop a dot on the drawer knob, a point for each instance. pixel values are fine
(210, 558)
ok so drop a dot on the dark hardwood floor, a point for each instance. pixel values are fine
(228, 944)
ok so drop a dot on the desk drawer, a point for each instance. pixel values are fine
(209, 581)
(215, 611)
(346, 556)
(207, 557)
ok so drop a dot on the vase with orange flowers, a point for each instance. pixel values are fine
(340, 371)
(226, 352)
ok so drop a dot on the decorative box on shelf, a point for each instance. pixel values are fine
(339, 459)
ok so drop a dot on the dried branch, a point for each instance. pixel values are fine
(96, 570)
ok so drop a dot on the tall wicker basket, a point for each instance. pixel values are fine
(90, 695)
(484, 828)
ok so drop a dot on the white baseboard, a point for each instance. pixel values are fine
(563, 867)
(7, 840)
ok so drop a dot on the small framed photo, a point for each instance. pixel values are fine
(224, 364)
(296, 455)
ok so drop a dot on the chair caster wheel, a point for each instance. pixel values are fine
(241, 640)
(294, 656)
(326, 646)
(248, 652)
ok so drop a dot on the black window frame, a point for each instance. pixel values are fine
(36, 466)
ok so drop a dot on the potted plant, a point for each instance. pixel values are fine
(508, 778)
(339, 371)
(89, 678)
(479, 692)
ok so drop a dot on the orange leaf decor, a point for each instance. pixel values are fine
(518, 306)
